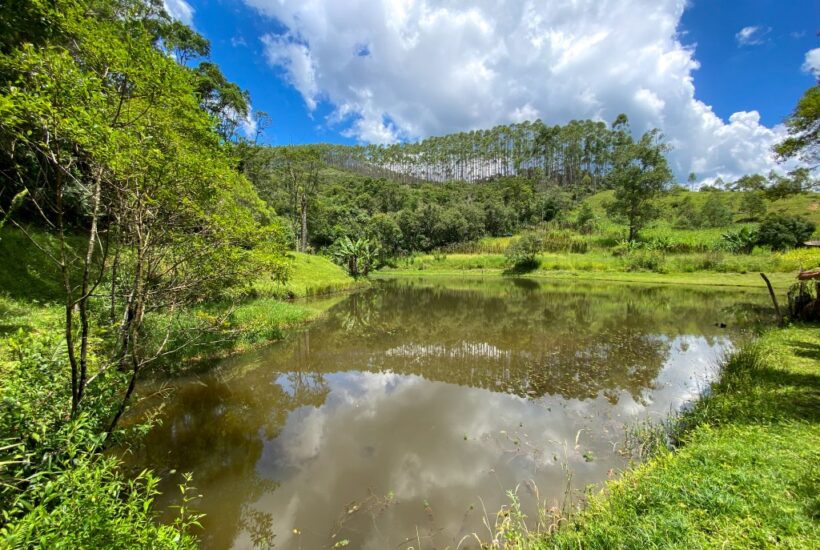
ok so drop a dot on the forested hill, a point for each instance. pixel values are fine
(577, 155)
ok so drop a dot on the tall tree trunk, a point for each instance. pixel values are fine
(82, 302)
(67, 287)
(304, 232)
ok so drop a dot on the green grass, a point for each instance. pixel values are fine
(780, 281)
(803, 204)
(688, 256)
(695, 268)
(745, 474)
(26, 272)
(309, 276)
(267, 315)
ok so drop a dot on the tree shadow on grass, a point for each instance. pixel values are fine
(806, 350)
(521, 268)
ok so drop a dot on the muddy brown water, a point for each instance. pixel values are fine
(404, 416)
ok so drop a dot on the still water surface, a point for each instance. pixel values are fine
(412, 407)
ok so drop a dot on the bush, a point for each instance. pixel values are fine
(740, 242)
(78, 499)
(58, 490)
(522, 254)
(646, 260)
(753, 205)
(585, 221)
(715, 212)
(782, 231)
(687, 217)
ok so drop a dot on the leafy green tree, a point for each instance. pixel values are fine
(692, 179)
(802, 180)
(804, 130)
(753, 205)
(639, 174)
(499, 219)
(585, 220)
(293, 172)
(358, 256)
(522, 254)
(781, 231)
(742, 241)
(781, 186)
(686, 216)
(384, 230)
(715, 212)
(223, 99)
(750, 182)
(106, 133)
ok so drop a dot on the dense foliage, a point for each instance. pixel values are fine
(400, 218)
(124, 156)
(781, 232)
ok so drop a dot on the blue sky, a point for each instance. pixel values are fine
(451, 66)
(766, 77)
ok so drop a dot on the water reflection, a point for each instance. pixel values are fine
(414, 405)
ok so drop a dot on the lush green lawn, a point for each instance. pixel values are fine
(746, 471)
(310, 275)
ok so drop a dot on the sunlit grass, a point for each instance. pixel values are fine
(309, 275)
(744, 473)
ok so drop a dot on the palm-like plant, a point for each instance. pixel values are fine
(357, 256)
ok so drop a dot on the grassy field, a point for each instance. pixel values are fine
(664, 253)
(309, 276)
(744, 473)
(780, 281)
(803, 204)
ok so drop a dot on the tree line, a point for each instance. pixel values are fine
(577, 155)
(418, 203)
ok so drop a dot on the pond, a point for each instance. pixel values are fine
(403, 416)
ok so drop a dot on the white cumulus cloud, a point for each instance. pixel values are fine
(180, 10)
(407, 69)
(812, 63)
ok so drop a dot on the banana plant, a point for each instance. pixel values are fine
(357, 256)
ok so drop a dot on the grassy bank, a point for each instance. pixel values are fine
(598, 267)
(743, 472)
(269, 310)
(30, 301)
(309, 276)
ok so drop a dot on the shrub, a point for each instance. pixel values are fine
(753, 205)
(522, 254)
(740, 242)
(782, 231)
(58, 490)
(687, 217)
(585, 221)
(715, 212)
(646, 260)
(79, 499)
(624, 247)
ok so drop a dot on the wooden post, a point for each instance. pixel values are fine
(774, 299)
